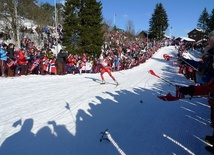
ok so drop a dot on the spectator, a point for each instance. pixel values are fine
(3, 60)
(22, 61)
(11, 60)
(42, 58)
(79, 65)
(34, 68)
(204, 69)
(61, 61)
(71, 63)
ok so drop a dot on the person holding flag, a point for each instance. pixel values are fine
(12, 60)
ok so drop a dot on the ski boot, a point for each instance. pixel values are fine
(103, 82)
(116, 82)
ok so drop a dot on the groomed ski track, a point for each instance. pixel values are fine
(65, 114)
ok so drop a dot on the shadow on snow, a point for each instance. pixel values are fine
(137, 120)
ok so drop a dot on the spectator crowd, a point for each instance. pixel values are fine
(29, 59)
(202, 73)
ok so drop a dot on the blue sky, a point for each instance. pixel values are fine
(183, 15)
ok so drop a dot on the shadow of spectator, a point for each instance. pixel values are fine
(21, 142)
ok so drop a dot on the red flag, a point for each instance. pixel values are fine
(35, 64)
(168, 97)
(11, 63)
(52, 66)
(153, 73)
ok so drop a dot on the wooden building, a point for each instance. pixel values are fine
(197, 34)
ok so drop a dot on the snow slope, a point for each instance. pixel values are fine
(64, 115)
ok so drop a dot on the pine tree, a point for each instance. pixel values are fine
(83, 26)
(203, 21)
(91, 34)
(158, 22)
(211, 21)
(71, 26)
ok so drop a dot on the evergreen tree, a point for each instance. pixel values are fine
(211, 21)
(158, 22)
(82, 26)
(91, 32)
(203, 21)
(71, 26)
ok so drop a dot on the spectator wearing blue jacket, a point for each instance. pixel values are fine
(3, 60)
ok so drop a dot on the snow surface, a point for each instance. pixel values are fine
(65, 115)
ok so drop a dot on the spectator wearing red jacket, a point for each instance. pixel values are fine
(22, 61)
(71, 64)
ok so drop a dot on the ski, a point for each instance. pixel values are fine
(116, 84)
(106, 83)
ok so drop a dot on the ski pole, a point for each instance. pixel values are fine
(153, 73)
(188, 64)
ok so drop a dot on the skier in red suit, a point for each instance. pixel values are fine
(106, 67)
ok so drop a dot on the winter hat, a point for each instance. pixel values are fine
(4, 45)
(10, 44)
(211, 35)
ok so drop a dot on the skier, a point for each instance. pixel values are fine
(105, 67)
